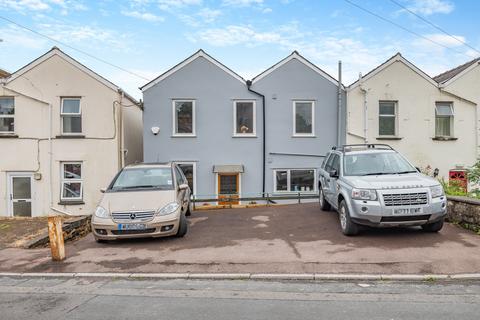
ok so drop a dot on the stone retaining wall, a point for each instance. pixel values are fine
(464, 211)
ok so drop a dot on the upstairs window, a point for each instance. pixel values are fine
(183, 118)
(444, 119)
(387, 118)
(7, 114)
(72, 182)
(303, 118)
(244, 118)
(71, 115)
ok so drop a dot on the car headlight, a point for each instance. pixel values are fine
(101, 212)
(168, 209)
(364, 194)
(436, 191)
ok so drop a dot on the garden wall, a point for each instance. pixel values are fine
(464, 211)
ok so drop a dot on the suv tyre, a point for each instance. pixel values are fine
(433, 227)
(324, 205)
(182, 227)
(349, 228)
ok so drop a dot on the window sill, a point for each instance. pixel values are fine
(183, 135)
(71, 203)
(444, 139)
(389, 138)
(244, 136)
(8, 135)
(303, 136)
(70, 136)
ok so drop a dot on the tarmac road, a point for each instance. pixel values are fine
(83, 298)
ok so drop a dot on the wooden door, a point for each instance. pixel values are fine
(228, 187)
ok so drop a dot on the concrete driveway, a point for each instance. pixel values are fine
(283, 239)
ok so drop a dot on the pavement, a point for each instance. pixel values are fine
(87, 298)
(293, 239)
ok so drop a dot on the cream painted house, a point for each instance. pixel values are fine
(65, 131)
(431, 124)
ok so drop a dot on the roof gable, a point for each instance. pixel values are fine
(450, 75)
(59, 53)
(198, 54)
(396, 58)
(297, 56)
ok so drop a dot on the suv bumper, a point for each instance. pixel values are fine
(373, 213)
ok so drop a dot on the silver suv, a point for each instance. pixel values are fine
(374, 185)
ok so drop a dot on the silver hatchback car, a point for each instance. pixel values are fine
(374, 185)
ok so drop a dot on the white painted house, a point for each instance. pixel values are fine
(430, 123)
(64, 133)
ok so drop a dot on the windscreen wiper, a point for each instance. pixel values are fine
(402, 172)
(376, 173)
(139, 187)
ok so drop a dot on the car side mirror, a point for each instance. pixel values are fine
(183, 186)
(102, 190)
(333, 173)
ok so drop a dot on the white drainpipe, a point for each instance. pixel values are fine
(365, 109)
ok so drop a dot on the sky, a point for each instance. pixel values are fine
(147, 37)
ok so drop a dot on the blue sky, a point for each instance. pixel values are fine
(150, 36)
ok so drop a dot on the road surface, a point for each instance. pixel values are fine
(89, 298)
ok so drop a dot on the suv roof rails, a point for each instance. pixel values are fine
(350, 147)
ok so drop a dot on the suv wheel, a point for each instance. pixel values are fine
(349, 228)
(433, 227)
(324, 205)
(183, 227)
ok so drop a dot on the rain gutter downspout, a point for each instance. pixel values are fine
(365, 109)
(249, 84)
(339, 115)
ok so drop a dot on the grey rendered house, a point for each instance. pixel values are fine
(208, 119)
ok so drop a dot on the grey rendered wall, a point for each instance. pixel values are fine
(296, 81)
(214, 91)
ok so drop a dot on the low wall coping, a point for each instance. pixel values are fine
(464, 200)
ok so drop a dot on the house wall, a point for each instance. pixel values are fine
(467, 86)
(214, 92)
(132, 133)
(416, 119)
(296, 81)
(49, 81)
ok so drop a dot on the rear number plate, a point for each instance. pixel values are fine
(132, 226)
(407, 211)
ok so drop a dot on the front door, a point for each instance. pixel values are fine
(228, 187)
(20, 194)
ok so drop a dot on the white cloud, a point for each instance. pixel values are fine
(241, 3)
(168, 5)
(65, 6)
(236, 35)
(267, 10)
(143, 16)
(13, 36)
(209, 15)
(429, 7)
(445, 40)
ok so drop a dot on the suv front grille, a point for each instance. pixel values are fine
(133, 216)
(405, 199)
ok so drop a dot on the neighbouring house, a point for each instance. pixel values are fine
(64, 133)
(3, 73)
(399, 104)
(207, 118)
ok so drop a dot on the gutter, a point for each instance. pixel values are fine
(249, 84)
(365, 108)
(339, 109)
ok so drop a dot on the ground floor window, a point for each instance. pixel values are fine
(294, 180)
(189, 170)
(72, 181)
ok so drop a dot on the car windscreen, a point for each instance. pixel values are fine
(376, 163)
(143, 178)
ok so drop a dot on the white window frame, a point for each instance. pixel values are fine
(9, 116)
(174, 119)
(452, 117)
(79, 113)
(194, 164)
(63, 180)
(395, 116)
(289, 186)
(249, 135)
(295, 134)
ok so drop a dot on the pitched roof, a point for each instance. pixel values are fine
(55, 51)
(299, 57)
(198, 54)
(452, 73)
(396, 58)
(3, 73)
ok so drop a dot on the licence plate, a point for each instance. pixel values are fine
(132, 226)
(407, 210)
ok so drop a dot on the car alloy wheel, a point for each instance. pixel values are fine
(343, 218)
(321, 199)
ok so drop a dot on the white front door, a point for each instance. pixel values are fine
(20, 193)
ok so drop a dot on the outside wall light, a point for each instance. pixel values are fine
(155, 130)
